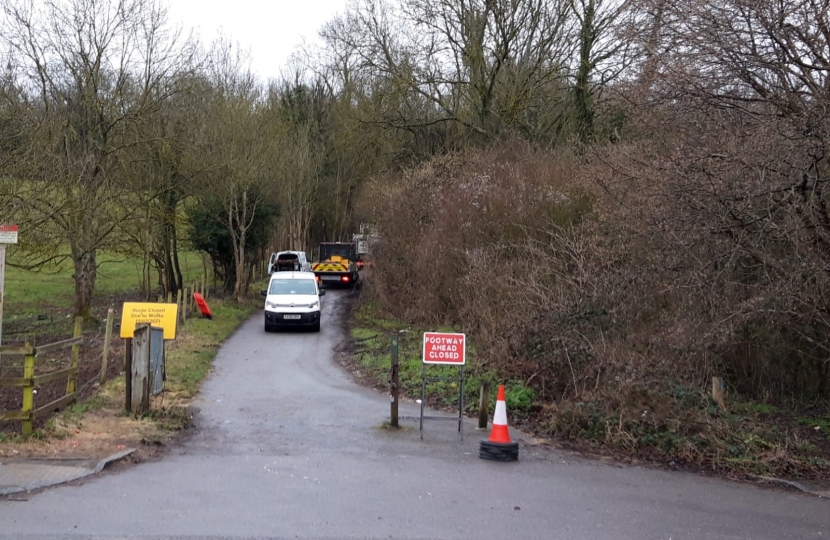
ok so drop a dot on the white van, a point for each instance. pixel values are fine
(292, 299)
(292, 261)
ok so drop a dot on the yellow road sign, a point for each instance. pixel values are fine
(163, 315)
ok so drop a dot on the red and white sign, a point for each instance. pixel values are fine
(8, 234)
(440, 348)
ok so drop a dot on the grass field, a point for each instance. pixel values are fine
(28, 292)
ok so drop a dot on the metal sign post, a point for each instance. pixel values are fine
(444, 349)
(8, 235)
(393, 411)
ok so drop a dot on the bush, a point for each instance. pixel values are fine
(601, 294)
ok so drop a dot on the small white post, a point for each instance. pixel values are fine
(8, 235)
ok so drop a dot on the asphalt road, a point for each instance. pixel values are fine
(289, 447)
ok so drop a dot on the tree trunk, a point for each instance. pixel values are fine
(176, 266)
(160, 271)
(169, 276)
(86, 270)
(172, 211)
(250, 276)
(239, 286)
(652, 44)
(146, 276)
(239, 216)
(172, 270)
(584, 111)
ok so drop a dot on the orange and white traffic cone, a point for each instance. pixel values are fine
(499, 447)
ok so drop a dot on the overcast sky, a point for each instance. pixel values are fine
(271, 29)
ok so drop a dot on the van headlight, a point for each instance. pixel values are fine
(271, 304)
(314, 304)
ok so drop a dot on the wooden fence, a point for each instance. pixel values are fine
(184, 298)
(29, 381)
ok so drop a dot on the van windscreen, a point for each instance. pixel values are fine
(292, 286)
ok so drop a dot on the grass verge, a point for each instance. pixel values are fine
(371, 339)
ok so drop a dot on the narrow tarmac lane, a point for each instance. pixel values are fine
(289, 447)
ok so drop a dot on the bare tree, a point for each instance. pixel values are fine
(731, 181)
(238, 152)
(90, 71)
(475, 64)
(163, 172)
(601, 55)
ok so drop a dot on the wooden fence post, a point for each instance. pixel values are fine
(179, 304)
(107, 339)
(72, 381)
(169, 297)
(128, 371)
(28, 390)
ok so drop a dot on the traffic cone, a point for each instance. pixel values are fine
(499, 447)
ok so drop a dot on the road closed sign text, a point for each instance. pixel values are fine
(8, 234)
(163, 315)
(441, 348)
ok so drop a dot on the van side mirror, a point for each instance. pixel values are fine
(263, 292)
(322, 292)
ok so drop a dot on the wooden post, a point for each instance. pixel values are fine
(169, 297)
(128, 372)
(161, 299)
(393, 420)
(28, 390)
(72, 382)
(140, 396)
(484, 405)
(186, 302)
(180, 304)
(107, 340)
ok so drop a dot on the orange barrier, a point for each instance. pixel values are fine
(203, 307)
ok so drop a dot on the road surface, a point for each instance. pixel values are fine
(289, 447)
